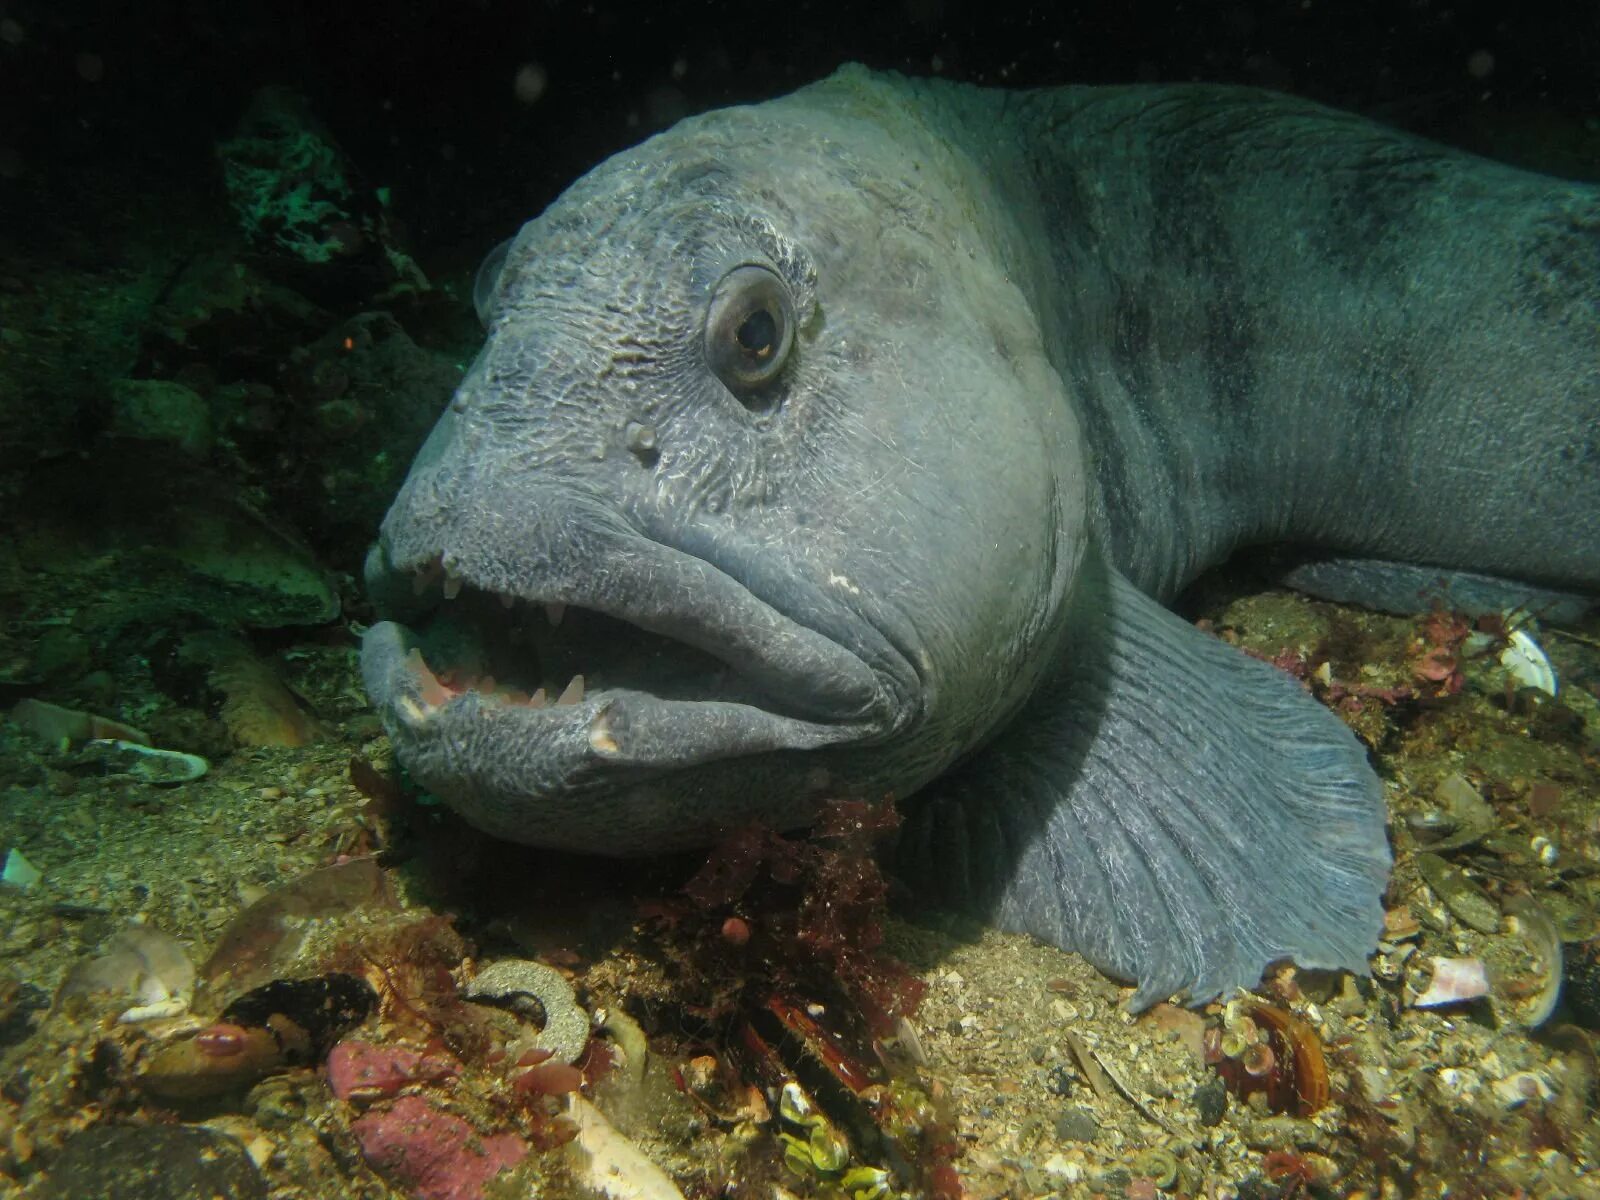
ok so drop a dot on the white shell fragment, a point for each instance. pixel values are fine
(142, 964)
(609, 1163)
(1527, 664)
(18, 871)
(145, 763)
(1455, 980)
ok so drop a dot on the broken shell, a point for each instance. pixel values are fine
(626, 1035)
(1526, 663)
(1234, 1044)
(1467, 902)
(1293, 1072)
(1454, 981)
(162, 767)
(140, 964)
(1530, 1000)
(18, 871)
(608, 1163)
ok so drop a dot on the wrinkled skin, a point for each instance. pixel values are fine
(853, 658)
(853, 438)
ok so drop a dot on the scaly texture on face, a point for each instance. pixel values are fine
(763, 449)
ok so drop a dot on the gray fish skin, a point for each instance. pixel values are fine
(1053, 354)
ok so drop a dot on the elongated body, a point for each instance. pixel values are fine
(846, 444)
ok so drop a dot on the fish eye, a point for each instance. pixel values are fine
(749, 333)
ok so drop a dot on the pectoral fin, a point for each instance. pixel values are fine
(1179, 813)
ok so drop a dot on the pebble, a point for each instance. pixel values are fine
(1211, 1102)
(1077, 1125)
(1516, 1090)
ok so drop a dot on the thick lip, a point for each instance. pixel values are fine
(798, 689)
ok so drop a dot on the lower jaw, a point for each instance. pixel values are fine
(580, 733)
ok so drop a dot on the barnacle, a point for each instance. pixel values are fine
(1269, 1050)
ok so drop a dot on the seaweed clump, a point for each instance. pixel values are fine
(781, 968)
(795, 914)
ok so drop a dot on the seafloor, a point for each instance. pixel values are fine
(202, 424)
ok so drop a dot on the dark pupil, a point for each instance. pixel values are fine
(758, 333)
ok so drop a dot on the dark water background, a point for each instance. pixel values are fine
(422, 95)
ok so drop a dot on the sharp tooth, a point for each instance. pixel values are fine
(452, 586)
(555, 610)
(600, 736)
(507, 600)
(573, 692)
(412, 711)
(537, 700)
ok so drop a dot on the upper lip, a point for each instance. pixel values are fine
(799, 688)
(688, 600)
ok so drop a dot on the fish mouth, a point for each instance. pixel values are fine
(527, 707)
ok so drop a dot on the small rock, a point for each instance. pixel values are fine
(61, 653)
(1058, 1080)
(57, 725)
(1077, 1125)
(159, 410)
(1211, 1102)
(144, 763)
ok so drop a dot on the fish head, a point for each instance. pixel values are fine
(761, 492)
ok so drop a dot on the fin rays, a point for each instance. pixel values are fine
(1177, 812)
